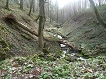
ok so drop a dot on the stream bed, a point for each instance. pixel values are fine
(70, 52)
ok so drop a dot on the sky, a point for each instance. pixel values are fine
(61, 3)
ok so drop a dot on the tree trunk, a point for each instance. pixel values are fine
(16, 1)
(7, 4)
(85, 5)
(50, 11)
(56, 4)
(41, 23)
(99, 2)
(27, 3)
(21, 4)
(97, 13)
(31, 5)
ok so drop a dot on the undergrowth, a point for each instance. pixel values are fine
(26, 67)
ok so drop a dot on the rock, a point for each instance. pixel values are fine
(26, 36)
(60, 37)
(82, 59)
(62, 45)
(70, 58)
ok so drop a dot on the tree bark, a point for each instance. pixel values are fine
(16, 1)
(57, 11)
(7, 4)
(97, 13)
(99, 2)
(50, 11)
(31, 5)
(41, 23)
(21, 4)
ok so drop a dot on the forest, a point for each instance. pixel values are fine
(52, 39)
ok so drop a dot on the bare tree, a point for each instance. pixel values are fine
(16, 1)
(7, 4)
(41, 23)
(49, 10)
(31, 5)
(85, 4)
(57, 9)
(21, 4)
(97, 13)
(99, 2)
(27, 3)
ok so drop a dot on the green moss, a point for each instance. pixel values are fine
(0, 28)
(46, 51)
(52, 58)
(3, 55)
(47, 55)
(4, 45)
(67, 57)
(85, 54)
(59, 54)
(70, 58)
(26, 36)
(35, 57)
(8, 9)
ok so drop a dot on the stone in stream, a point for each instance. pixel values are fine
(81, 58)
(60, 37)
(62, 45)
(54, 35)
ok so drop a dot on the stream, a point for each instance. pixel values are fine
(70, 51)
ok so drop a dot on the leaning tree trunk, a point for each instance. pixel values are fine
(31, 5)
(41, 23)
(97, 13)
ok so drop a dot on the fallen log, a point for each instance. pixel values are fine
(11, 19)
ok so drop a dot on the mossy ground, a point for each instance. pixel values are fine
(21, 42)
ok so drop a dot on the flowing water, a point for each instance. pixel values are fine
(67, 50)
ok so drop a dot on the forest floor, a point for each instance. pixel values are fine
(25, 61)
(36, 68)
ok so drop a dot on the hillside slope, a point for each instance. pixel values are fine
(84, 30)
(19, 41)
